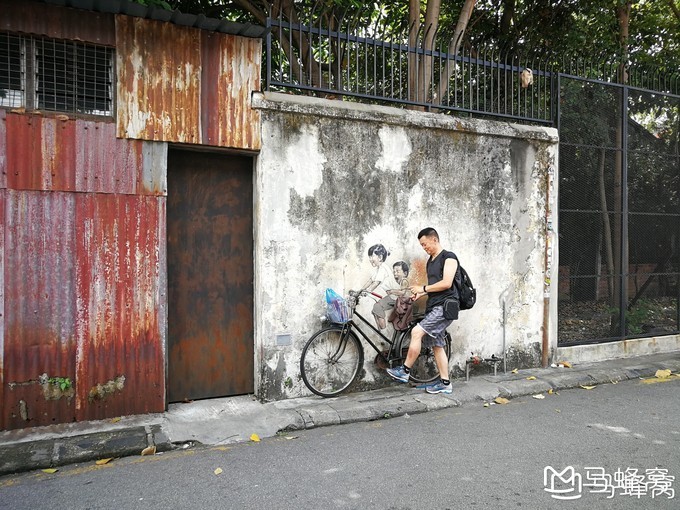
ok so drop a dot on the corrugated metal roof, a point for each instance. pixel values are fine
(156, 13)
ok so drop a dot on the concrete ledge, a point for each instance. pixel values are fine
(306, 105)
(622, 349)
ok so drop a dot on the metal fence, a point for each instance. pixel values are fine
(324, 60)
(619, 212)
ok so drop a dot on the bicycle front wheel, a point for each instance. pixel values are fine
(331, 360)
(424, 369)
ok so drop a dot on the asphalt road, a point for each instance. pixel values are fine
(469, 457)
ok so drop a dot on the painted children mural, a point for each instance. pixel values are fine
(382, 309)
(387, 284)
(382, 279)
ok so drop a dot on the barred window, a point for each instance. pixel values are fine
(61, 76)
(12, 85)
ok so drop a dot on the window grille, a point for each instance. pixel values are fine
(60, 76)
(12, 74)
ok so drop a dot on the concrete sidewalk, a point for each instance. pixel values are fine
(235, 419)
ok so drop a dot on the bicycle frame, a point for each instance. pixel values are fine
(351, 324)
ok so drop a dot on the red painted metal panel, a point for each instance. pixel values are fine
(230, 73)
(120, 251)
(104, 163)
(58, 22)
(65, 154)
(39, 329)
(85, 276)
(3, 149)
(158, 89)
(3, 199)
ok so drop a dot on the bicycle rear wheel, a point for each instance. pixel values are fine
(424, 369)
(331, 360)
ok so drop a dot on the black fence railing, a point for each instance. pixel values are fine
(344, 57)
(315, 59)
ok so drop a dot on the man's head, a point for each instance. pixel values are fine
(400, 270)
(429, 240)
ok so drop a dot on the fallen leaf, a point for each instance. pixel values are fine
(115, 420)
(149, 450)
(486, 404)
(557, 411)
(255, 438)
(50, 471)
(662, 374)
(501, 400)
(515, 371)
(587, 387)
(565, 364)
(531, 378)
(295, 437)
(540, 396)
(654, 380)
(218, 471)
(550, 391)
(101, 462)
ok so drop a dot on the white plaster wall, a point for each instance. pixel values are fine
(334, 178)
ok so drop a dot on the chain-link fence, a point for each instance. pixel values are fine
(619, 213)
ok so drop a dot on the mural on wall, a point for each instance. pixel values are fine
(386, 285)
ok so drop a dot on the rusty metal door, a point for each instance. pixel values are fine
(210, 275)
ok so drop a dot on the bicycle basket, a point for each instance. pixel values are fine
(338, 309)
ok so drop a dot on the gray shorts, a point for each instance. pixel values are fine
(434, 324)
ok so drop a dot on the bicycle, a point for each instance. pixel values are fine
(333, 356)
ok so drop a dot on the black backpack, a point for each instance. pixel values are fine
(466, 291)
(467, 294)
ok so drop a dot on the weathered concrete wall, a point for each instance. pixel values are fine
(334, 178)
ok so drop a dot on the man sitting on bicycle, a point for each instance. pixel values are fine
(442, 268)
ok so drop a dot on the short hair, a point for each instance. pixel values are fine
(379, 250)
(403, 265)
(428, 232)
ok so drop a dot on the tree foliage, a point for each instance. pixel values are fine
(562, 27)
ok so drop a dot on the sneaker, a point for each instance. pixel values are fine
(427, 385)
(398, 373)
(440, 387)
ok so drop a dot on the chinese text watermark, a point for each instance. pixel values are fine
(569, 484)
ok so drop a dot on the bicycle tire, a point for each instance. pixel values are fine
(323, 372)
(424, 370)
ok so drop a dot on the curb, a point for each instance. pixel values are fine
(47, 453)
(45, 447)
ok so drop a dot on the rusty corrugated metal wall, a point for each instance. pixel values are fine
(83, 270)
(84, 266)
(208, 100)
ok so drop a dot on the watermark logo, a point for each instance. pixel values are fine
(569, 484)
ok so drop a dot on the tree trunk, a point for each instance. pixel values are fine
(429, 36)
(607, 231)
(454, 47)
(414, 30)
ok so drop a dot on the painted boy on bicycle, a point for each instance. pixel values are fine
(442, 268)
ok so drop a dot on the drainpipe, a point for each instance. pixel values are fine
(545, 348)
